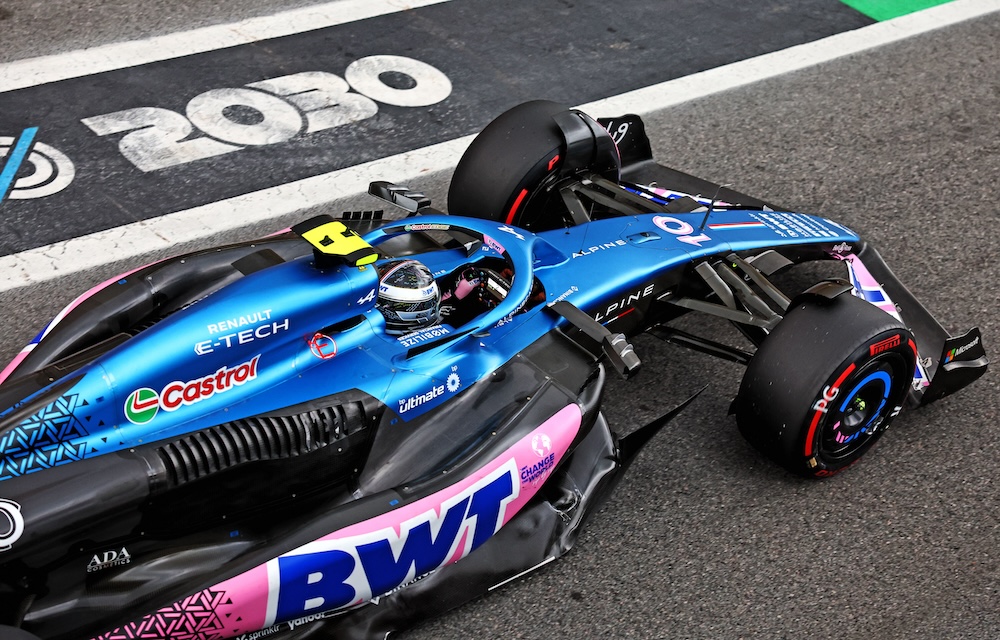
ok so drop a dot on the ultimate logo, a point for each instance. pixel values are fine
(143, 404)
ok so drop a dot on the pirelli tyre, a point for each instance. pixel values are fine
(505, 173)
(825, 384)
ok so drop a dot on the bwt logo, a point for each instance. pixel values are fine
(358, 568)
(32, 169)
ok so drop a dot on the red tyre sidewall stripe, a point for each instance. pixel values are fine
(516, 206)
(810, 435)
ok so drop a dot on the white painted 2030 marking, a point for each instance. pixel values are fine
(269, 111)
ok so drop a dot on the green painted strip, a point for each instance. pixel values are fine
(888, 9)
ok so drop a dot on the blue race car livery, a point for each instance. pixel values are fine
(358, 423)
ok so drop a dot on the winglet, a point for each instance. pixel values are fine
(630, 445)
(333, 242)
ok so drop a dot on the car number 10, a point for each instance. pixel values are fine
(269, 111)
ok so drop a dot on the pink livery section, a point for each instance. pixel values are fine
(867, 287)
(62, 314)
(351, 566)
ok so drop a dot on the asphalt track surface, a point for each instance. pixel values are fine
(704, 538)
(155, 138)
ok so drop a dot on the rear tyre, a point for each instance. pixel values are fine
(825, 384)
(503, 173)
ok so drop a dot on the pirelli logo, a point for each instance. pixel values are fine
(885, 345)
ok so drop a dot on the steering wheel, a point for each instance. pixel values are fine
(513, 245)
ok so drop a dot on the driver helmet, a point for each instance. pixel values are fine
(408, 296)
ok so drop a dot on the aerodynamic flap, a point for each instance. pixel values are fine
(332, 241)
(963, 360)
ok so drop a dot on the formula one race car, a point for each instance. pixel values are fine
(359, 423)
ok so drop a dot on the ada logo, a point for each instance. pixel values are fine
(108, 559)
(142, 404)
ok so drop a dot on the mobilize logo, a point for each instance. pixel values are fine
(423, 335)
(143, 404)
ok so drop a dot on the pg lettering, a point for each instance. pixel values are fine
(829, 395)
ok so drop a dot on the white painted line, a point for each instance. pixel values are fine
(770, 65)
(34, 71)
(133, 240)
(523, 573)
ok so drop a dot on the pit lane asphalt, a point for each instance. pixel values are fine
(704, 538)
(33, 29)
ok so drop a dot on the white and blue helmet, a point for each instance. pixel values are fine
(408, 296)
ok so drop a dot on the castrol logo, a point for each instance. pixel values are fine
(143, 404)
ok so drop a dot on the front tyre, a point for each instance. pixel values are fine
(825, 384)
